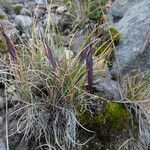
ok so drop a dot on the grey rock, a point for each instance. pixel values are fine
(2, 145)
(108, 88)
(41, 2)
(61, 9)
(1, 102)
(3, 13)
(39, 13)
(55, 19)
(77, 42)
(120, 7)
(25, 11)
(133, 52)
(10, 30)
(23, 21)
(39, 30)
(1, 120)
(16, 1)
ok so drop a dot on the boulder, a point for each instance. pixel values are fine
(42, 2)
(23, 21)
(1, 102)
(61, 9)
(10, 30)
(108, 88)
(3, 15)
(132, 19)
(2, 145)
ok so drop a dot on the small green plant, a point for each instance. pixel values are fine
(2, 16)
(17, 9)
(3, 46)
(92, 9)
(82, 11)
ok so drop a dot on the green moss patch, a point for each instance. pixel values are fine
(2, 16)
(114, 115)
(17, 9)
(115, 34)
(3, 46)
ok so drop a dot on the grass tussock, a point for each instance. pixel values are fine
(52, 85)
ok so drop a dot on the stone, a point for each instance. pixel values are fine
(77, 42)
(1, 102)
(2, 145)
(23, 21)
(3, 15)
(61, 9)
(40, 13)
(25, 11)
(133, 52)
(108, 88)
(39, 31)
(10, 30)
(16, 1)
(120, 7)
(1, 120)
(55, 19)
(41, 2)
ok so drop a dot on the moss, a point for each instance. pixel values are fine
(3, 46)
(2, 16)
(114, 115)
(105, 41)
(88, 119)
(102, 49)
(17, 9)
(115, 34)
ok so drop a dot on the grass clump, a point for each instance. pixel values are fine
(50, 87)
(83, 11)
(92, 9)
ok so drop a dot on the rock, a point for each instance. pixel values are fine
(55, 19)
(25, 11)
(77, 42)
(23, 21)
(39, 31)
(1, 102)
(120, 7)
(1, 120)
(40, 13)
(61, 9)
(2, 145)
(108, 88)
(41, 2)
(10, 30)
(3, 15)
(16, 1)
(133, 52)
